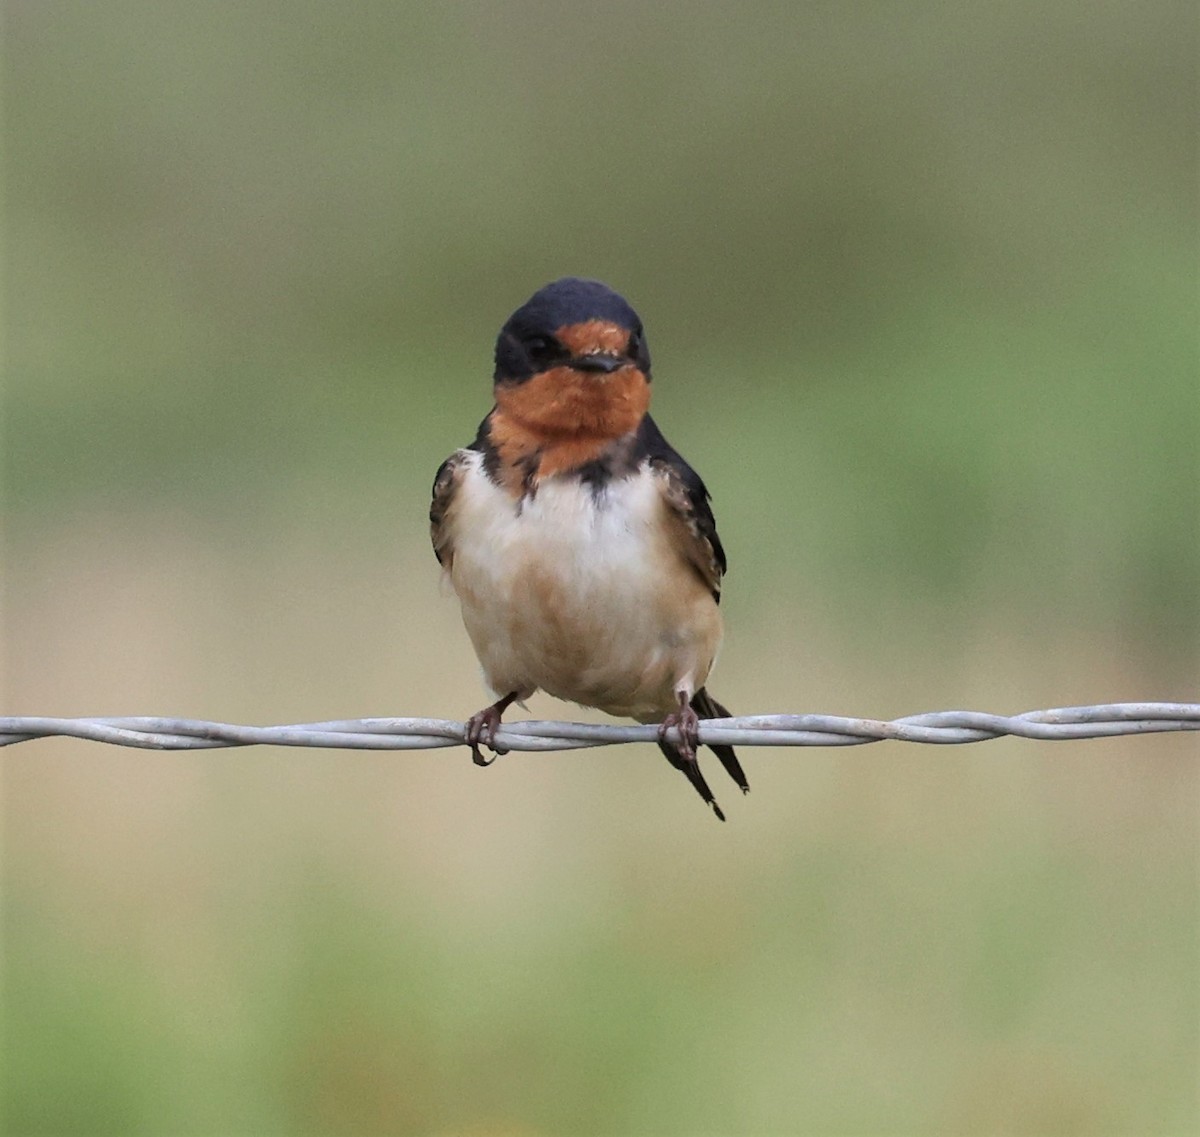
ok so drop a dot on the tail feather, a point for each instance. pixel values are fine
(708, 708)
(691, 770)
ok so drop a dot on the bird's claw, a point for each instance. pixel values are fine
(481, 730)
(687, 722)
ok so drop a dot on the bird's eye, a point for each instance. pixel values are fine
(635, 344)
(541, 347)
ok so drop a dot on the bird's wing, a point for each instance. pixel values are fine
(687, 500)
(446, 485)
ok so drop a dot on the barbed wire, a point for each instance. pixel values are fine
(937, 727)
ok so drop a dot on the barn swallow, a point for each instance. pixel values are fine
(580, 545)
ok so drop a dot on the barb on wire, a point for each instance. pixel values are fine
(939, 727)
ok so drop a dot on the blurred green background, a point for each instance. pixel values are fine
(920, 283)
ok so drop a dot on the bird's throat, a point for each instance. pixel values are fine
(562, 420)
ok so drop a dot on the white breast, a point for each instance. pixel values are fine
(580, 593)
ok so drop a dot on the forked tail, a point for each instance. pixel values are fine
(706, 707)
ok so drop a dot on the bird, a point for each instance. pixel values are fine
(581, 546)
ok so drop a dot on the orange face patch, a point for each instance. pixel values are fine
(564, 403)
(562, 419)
(592, 336)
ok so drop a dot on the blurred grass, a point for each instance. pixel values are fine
(921, 290)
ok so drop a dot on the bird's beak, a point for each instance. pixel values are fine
(598, 362)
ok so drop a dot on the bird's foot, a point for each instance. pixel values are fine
(481, 731)
(687, 722)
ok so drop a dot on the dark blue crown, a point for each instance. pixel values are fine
(571, 301)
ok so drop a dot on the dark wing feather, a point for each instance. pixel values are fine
(445, 486)
(687, 498)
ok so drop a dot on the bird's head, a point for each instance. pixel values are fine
(572, 360)
(580, 325)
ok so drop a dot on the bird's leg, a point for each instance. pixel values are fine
(482, 727)
(687, 722)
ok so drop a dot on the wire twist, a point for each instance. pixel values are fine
(937, 727)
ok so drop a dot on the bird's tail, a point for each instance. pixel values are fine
(706, 707)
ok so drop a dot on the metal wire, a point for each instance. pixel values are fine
(938, 727)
